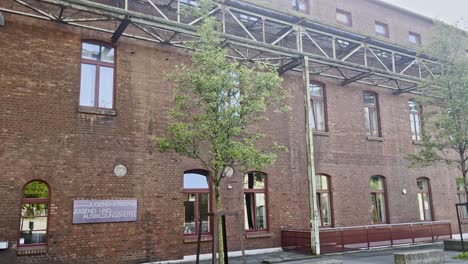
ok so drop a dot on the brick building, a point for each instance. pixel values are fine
(79, 98)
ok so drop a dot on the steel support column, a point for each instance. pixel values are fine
(314, 226)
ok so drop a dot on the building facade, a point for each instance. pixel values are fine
(77, 102)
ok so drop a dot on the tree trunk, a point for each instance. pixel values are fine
(219, 223)
(464, 170)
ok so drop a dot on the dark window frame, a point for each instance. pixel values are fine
(295, 6)
(99, 64)
(330, 198)
(197, 192)
(385, 26)
(323, 99)
(414, 114)
(429, 193)
(34, 201)
(345, 13)
(377, 111)
(255, 191)
(375, 192)
(417, 37)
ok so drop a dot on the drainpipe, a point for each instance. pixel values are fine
(314, 226)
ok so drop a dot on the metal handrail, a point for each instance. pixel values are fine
(331, 229)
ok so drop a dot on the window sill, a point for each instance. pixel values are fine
(258, 234)
(371, 138)
(194, 239)
(88, 110)
(31, 250)
(417, 142)
(321, 133)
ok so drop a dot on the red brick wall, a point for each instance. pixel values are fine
(43, 136)
(364, 14)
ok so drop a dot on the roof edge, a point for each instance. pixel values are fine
(402, 9)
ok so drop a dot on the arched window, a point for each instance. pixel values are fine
(97, 76)
(371, 114)
(324, 200)
(318, 100)
(196, 202)
(415, 120)
(34, 214)
(378, 201)
(424, 199)
(255, 197)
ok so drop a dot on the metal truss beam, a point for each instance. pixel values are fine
(120, 30)
(355, 78)
(250, 32)
(289, 66)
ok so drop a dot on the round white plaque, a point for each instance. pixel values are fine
(120, 170)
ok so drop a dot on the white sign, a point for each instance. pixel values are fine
(120, 170)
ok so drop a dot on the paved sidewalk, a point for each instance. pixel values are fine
(383, 256)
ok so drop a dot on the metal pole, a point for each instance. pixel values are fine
(314, 232)
(460, 228)
(199, 239)
(225, 247)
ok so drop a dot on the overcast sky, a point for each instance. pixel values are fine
(449, 11)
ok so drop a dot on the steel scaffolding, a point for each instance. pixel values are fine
(251, 33)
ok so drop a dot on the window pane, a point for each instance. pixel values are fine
(413, 130)
(88, 84)
(34, 210)
(302, 5)
(204, 210)
(33, 223)
(369, 99)
(254, 180)
(381, 29)
(90, 51)
(106, 84)
(319, 115)
(367, 121)
(316, 90)
(376, 183)
(312, 116)
(248, 211)
(261, 210)
(36, 189)
(413, 106)
(189, 213)
(325, 209)
(322, 182)
(107, 54)
(427, 206)
(381, 207)
(422, 184)
(420, 206)
(343, 17)
(375, 214)
(32, 237)
(375, 122)
(195, 181)
(417, 126)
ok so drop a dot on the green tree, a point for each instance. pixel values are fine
(445, 130)
(218, 103)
